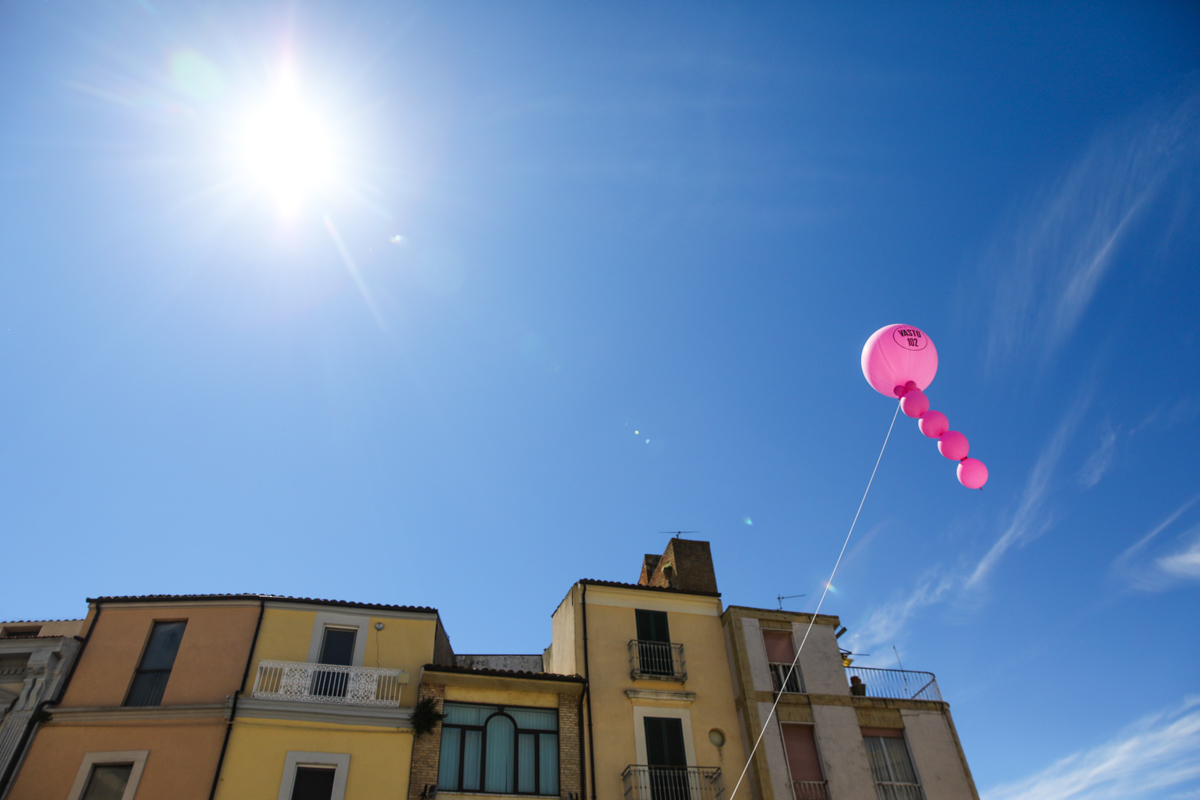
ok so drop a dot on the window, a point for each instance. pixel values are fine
(654, 651)
(804, 765)
(499, 749)
(337, 648)
(109, 776)
(107, 782)
(314, 776)
(780, 655)
(313, 783)
(151, 678)
(895, 778)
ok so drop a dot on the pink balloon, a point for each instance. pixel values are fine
(897, 354)
(953, 445)
(933, 424)
(972, 473)
(914, 403)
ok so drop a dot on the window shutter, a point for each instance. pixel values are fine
(779, 646)
(802, 756)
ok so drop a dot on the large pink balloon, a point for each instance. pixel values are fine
(933, 424)
(896, 354)
(914, 403)
(972, 473)
(953, 445)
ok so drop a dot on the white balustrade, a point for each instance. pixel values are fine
(328, 683)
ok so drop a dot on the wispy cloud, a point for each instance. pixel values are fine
(1054, 258)
(885, 622)
(1030, 520)
(1163, 569)
(1160, 752)
(1101, 460)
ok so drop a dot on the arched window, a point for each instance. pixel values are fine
(498, 749)
(500, 762)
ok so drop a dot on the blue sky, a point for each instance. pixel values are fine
(577, 274)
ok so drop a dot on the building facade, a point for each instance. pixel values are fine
(659, 718)
(326, 705)
(35, 659)
(648, 691)
(838, 731)
(144, 713)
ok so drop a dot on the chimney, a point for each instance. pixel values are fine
(686, 565)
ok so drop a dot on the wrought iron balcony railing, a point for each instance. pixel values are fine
(901, 684)
(327, 683)
(662, 660)
(786, 683)
(809, 790)
(672, 783)
(898, 791)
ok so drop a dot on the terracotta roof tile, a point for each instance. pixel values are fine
(505, 673)
(594, 582)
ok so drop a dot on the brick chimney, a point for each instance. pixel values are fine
(686, 565)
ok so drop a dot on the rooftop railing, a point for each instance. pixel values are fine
(662, 660)
(901, 684)
(672, 783)
(327, 683)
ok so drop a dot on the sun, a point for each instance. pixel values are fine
(288, 150)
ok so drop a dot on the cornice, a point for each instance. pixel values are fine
(660, 694)
(327, 713)
(142, 714)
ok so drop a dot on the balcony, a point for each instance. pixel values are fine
(888, 790)
(783, 682)
(901, 684)
(672, 783)
(656, 660)
(327, 683)
(809, 790)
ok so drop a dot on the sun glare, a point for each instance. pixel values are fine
(288, 150)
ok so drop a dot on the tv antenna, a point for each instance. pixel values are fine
(783, 597)
(678, 534)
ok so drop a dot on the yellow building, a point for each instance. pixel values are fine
(326, 702)
(658, 715)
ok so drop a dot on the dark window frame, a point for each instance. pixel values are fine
(139, 671)
(87, 786)
(483, 752)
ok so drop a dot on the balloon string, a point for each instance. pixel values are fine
(813, 618)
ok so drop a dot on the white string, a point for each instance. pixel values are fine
(813, 618)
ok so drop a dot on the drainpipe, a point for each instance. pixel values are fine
(262, 605)
(587, 687)
(19, 753)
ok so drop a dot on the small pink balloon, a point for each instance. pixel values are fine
(953, 445)
(933, 424)
(972, 473)
(914, 403)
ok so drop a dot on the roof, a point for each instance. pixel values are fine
(619, 585)
(151, 598)
(505, 673)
